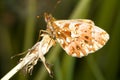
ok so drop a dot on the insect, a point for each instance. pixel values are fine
(78, 37)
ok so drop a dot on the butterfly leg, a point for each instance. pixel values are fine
(46, 65)
(41, 32)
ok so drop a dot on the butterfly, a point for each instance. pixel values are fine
(78, 37)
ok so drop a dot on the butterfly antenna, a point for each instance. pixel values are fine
(55, 6)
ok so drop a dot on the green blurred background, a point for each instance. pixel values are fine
(19, 29)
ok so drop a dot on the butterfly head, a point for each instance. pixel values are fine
(48, 18)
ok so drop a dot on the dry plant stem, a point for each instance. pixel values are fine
(34, 54)
(18, 67)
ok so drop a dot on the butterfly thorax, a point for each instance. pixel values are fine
(50, 29)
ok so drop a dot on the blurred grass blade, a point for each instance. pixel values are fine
(59, 75)
(80, 11)
(30, 24)
(112, 63)
(94, 68)
(106, 13)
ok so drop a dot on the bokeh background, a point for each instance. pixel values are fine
(19, 29)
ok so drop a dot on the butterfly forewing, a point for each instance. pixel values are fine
(79, 37)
